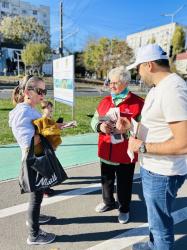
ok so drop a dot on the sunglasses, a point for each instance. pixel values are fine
(39, 91)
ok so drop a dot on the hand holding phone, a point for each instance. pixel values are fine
(60, 120)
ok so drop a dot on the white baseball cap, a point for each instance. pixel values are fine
(148, 53)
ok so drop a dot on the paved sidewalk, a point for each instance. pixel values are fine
(75, 222)
(74, 151)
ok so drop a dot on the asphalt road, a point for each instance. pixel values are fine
(88, 90)
(75, 222)
(6, 93)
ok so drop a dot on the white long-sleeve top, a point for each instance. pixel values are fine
(20, 120)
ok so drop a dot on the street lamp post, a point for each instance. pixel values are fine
(61, 28)
(172, 15)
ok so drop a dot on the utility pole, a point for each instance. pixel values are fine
(172, 15)
(61, 29)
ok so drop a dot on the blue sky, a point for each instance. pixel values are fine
(84, 19)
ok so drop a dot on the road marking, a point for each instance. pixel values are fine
(119, 242)
(5, 212)
(135, 235)
(59, 197)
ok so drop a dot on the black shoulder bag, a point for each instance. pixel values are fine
(40, 172)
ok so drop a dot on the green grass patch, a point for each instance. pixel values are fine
(83, 106)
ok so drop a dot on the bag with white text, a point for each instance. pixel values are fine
(41, 172)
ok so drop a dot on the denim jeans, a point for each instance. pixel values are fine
(160, 192)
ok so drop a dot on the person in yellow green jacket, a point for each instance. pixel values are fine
(49, 129)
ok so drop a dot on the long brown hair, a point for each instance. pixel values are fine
(27, 81)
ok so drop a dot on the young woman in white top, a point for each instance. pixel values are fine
(30, 92)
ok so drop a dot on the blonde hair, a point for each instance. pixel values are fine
(121, 72)
(27, 81)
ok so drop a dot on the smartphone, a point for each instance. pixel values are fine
(60, 120)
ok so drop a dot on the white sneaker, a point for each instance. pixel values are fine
(123, 217)
(101, 207)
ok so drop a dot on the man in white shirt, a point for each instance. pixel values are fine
(161, 143)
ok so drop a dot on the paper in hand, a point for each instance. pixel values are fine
(70, 124)
(134, 127)
(133, 132)
(111, 116)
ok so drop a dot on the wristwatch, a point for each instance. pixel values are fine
(142, 148)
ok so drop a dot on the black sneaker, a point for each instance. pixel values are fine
(41, 239)
(42, 219)
(102, 207)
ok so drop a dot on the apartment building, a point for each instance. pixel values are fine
(23, 8)
(162, 35)
(10, 53)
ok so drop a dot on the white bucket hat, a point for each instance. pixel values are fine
(148, 53)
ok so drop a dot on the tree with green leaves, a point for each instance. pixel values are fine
(79, 65)
(178, 40)
(34, 55)
(104, 54)
(21, 30)
(121, 53)
(90, 56)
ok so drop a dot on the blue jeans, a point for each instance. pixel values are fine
(160, 192)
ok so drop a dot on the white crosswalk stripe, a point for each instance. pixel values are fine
(135, 235)
(119, 242)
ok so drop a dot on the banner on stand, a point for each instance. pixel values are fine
(63, 79)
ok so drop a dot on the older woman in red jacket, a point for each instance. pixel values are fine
(113, 142)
